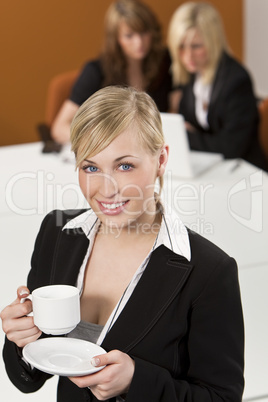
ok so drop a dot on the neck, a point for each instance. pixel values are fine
(134, 64)
(134, 231)
(135, 75)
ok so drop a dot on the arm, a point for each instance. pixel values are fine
(174, 100)
(233, 121)
(88, 82)
(60, 129)
(215, 350)
(20, 330)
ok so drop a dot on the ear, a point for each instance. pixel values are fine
(163, 160)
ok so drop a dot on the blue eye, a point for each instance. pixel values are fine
(93, 169)
(125, 166)
(90, 169)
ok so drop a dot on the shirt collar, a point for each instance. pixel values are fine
(173, 233)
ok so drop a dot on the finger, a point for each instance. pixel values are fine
(17, 310)
(22, 338)
(24, 334)
(88, 381)
(106, 358)
(22, 292)
(92, 380)
(14, 312)
(21, 324)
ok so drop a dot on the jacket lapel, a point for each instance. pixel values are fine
(162, 280)
(70, 252)
(219, 81)
(191, 103)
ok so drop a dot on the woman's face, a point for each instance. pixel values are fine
(135, 45)
(119, 182)
(193, 53)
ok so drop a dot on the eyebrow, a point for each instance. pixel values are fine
(116, 160)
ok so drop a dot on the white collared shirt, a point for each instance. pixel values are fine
(202, 93)
(173, 234)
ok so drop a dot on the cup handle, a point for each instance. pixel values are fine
(22, 300)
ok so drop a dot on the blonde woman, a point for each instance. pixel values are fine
(161, 300)
(215, 91)
(133, 54)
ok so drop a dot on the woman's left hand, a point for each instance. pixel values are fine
(111, 381)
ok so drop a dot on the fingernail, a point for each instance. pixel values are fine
(23, 292)
(95, 361)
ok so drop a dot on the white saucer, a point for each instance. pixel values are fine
(63, 356)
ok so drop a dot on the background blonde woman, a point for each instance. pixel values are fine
(133, 54)
(160, 299)
(215, 91)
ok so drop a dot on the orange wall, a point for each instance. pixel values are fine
(43, 38)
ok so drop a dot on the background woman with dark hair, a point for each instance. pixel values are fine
(133, 54)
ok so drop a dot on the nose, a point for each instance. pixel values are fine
(108, 186)
(188, 52)
(138, 39)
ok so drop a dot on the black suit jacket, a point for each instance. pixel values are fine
(183, 324)
(232, 115)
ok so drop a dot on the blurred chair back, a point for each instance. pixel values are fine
(263, 129)
(59, 90)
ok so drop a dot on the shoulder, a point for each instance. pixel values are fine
(57, 219)
(214, 271)
(203, 246)
(51, 230)
(208, 267)
(207, 256)
(233, 69)
(166, 59)
(88, 82)
(92, 66)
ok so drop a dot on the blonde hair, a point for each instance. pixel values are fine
(109, 112)
(140, 18)
(205, 18)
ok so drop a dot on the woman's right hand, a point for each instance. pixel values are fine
(17, 325)
(189, 127)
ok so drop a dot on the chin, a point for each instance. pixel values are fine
(140, 56)
(191, 69)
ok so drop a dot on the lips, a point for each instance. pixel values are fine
(112, 208)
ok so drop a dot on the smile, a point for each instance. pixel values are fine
(114, 205)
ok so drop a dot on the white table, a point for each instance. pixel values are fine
(227, 206)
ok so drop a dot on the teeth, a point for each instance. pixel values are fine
(113, 206)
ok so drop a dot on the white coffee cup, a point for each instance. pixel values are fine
(56, 308)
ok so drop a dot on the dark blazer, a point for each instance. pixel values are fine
(232, 115)
(183, 324)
